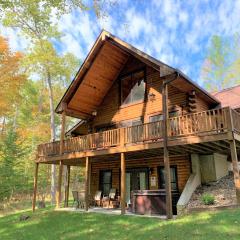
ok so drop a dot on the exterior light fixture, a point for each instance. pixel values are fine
(94, 113)
(151, 96)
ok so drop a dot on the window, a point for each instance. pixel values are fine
(105, 183)
(132, 122)
(133, 88)
(173, 114)
(156, 118)
(161, 177)
(105, 127)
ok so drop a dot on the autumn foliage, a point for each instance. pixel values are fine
(11, 77)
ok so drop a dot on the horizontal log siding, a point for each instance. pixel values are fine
(201, 104)
(182, 163)
(111, 111)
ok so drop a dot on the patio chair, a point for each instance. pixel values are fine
(75, 198)
(110, 199)
(98, 199)
(81, 199)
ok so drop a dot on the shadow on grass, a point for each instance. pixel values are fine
(49, 224)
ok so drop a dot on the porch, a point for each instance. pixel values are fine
(204, 132)
(192, 132)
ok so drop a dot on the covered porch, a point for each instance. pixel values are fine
(204, 132)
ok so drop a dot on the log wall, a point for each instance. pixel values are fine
(111, 110)
(181, 162)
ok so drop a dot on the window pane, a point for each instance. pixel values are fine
(133, 122)
(142, 177)
(173, 173)
(173, 114)
(107, 177)
(133, 88)
(105, 181)
(127, 85)
(156, 118)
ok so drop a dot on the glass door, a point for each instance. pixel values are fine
(136, 179)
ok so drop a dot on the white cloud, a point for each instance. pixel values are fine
(173, 31)
(16, 41)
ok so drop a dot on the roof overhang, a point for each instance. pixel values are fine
(101, 68)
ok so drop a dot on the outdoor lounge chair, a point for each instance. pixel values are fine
(98, 199)
(110, 200)
(79, 198)
(75, 198)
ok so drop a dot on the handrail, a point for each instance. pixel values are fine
(236, 120)
(214, 121)
(211, 121)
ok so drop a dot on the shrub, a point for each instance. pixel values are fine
(208, 199)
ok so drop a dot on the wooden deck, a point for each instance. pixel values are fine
(201, 132)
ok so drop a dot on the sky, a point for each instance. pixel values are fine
(175, 32)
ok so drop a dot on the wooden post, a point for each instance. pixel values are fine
(123, 183)
(235, 169)
(87, 184)
(35, 187)
(165, 150)
(67, 187)
(62, 133)
(89, 178)
(59, 190)
(234, 156)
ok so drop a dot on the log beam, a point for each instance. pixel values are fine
(67, 187)
(235, 169)
(35, 187)
(62, 132)
(59, 187)
(87, 184)
(123, 183)
(165, 152)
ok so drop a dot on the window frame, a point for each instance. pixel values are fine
(176, 175)
(131, 121)
(101, 184)
(154, 115)
(121, 104)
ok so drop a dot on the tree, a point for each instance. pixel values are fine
(220, 69)
(10, 152)
(11, 80)
(34, 19)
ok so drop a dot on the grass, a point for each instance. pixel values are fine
(50, 224)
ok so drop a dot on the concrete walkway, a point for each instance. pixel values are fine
(110, 211)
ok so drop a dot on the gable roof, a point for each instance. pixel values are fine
(229, 97)
(99, 70)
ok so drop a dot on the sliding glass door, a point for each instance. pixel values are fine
(136, 179)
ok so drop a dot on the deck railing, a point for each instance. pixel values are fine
(236, 120)
(214, 121)
(207, 122)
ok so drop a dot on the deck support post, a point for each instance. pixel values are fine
(67, 187)
(61, 149)
(165, 151)
(235, 168)
(123, 183)
(35, 187)
(234, 156)
(87, 184)
(59, 188)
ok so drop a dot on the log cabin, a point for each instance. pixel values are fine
(145, 129)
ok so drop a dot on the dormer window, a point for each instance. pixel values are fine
(133, 88)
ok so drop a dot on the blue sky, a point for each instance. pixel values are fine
(175, 32)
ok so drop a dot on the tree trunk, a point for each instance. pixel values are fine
(53, 136)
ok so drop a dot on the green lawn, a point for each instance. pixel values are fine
(50, 224)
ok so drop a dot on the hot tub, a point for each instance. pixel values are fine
(152, 201)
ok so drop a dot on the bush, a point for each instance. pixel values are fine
(207, 199)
